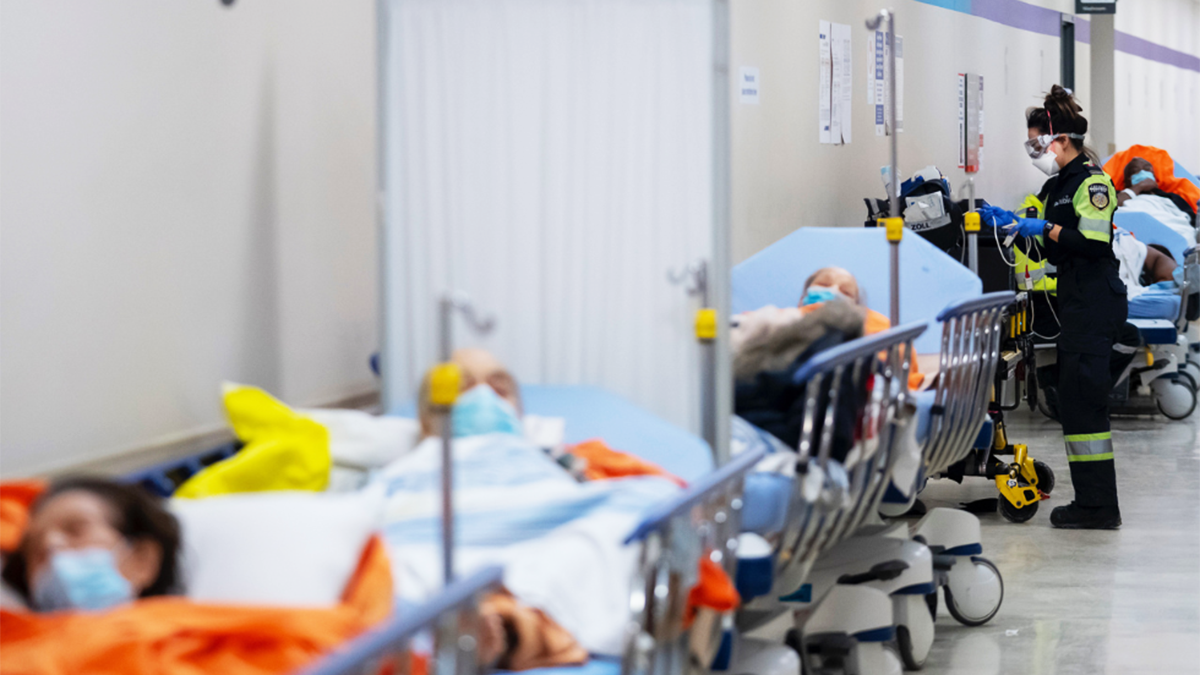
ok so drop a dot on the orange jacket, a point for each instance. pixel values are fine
(877, 323)
(1164, 172)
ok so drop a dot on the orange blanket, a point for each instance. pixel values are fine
(603, 463)
(1164, 172)
(174, 636)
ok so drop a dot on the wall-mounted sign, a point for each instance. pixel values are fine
(1095, 6)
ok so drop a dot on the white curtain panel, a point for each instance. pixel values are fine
(552, 159)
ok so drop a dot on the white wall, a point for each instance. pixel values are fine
(1158, 104)
(784, 178)
(186, 196)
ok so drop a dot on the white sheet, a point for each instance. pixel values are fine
(1163, 210)
(559, 541)
(1131, 253)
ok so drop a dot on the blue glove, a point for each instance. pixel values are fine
(1027, 227)
(996, 216)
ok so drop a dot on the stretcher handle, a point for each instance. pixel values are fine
(849, 352)
(983, 303)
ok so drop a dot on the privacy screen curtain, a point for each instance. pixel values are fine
(551, 158)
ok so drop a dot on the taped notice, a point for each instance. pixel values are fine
(835, 95)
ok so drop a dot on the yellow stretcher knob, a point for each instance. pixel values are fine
(971, 222)
(445, 379)
(1149, 358)
(894, 227)
(706, 324)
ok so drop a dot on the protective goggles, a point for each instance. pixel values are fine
(1036, 147)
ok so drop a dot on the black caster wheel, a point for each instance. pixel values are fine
(1014, 515)
(1045, 476)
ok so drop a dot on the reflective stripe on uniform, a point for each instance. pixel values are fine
(1095, 228)
(1089, 447)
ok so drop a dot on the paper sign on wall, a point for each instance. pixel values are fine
(879, 51)
(748, 85)
(824, 94)
(836, 82)
(970, 122)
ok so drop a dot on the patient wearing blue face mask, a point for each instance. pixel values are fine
(489, 400)
(92, 544)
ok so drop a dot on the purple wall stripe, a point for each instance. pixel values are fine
(1025, 16)
(1131, 44)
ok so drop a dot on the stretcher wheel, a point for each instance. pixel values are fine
(1045, 476)
(1191, 372)
(1014, 515)
(1174, 398)
(904, 643)
(981, 597)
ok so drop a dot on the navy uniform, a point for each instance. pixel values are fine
(1092, 308)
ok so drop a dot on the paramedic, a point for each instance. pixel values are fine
(93, 544)
(1077, 234)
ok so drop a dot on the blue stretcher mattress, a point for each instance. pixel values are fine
(592, 412)
(929, 279)
(1149, 230)
(1156, 303)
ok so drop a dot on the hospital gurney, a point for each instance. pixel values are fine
(1166, 367)
(856, 597)
(702, 521)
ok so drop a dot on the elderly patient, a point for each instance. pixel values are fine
(489, 402)
(834, 283)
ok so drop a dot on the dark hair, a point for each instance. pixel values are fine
(1162, 249)
(1060, 114)
(138, 516)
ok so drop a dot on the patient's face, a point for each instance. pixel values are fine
(78, 520)
(480, 367)
(1134, 166)
(838, 278)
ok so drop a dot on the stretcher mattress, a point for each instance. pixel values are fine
(929, 279)
(592, 412)
(1155, 303)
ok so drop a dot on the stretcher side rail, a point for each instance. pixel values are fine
(704, 520)
(162, 479)
(970, 353)
(451, 616)
(821, 512)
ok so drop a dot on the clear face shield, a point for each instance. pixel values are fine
(1036, 147)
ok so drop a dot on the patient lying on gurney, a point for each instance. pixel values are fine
(1149, 275)
(111, 549)
(1143, 194)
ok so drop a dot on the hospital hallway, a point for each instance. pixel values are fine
(1090, 602)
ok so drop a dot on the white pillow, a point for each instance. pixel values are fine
(365, 441)
(296, 549)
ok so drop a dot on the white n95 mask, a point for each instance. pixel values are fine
(1047, 163)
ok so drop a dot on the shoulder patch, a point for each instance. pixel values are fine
(1098, 195)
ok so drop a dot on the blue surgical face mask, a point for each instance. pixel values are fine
(80, 579)
(819, 294)
(1140, 176)
(482, 411)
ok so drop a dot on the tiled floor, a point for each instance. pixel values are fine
(1079, 602)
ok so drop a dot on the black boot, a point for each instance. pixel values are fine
(1076, 517)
